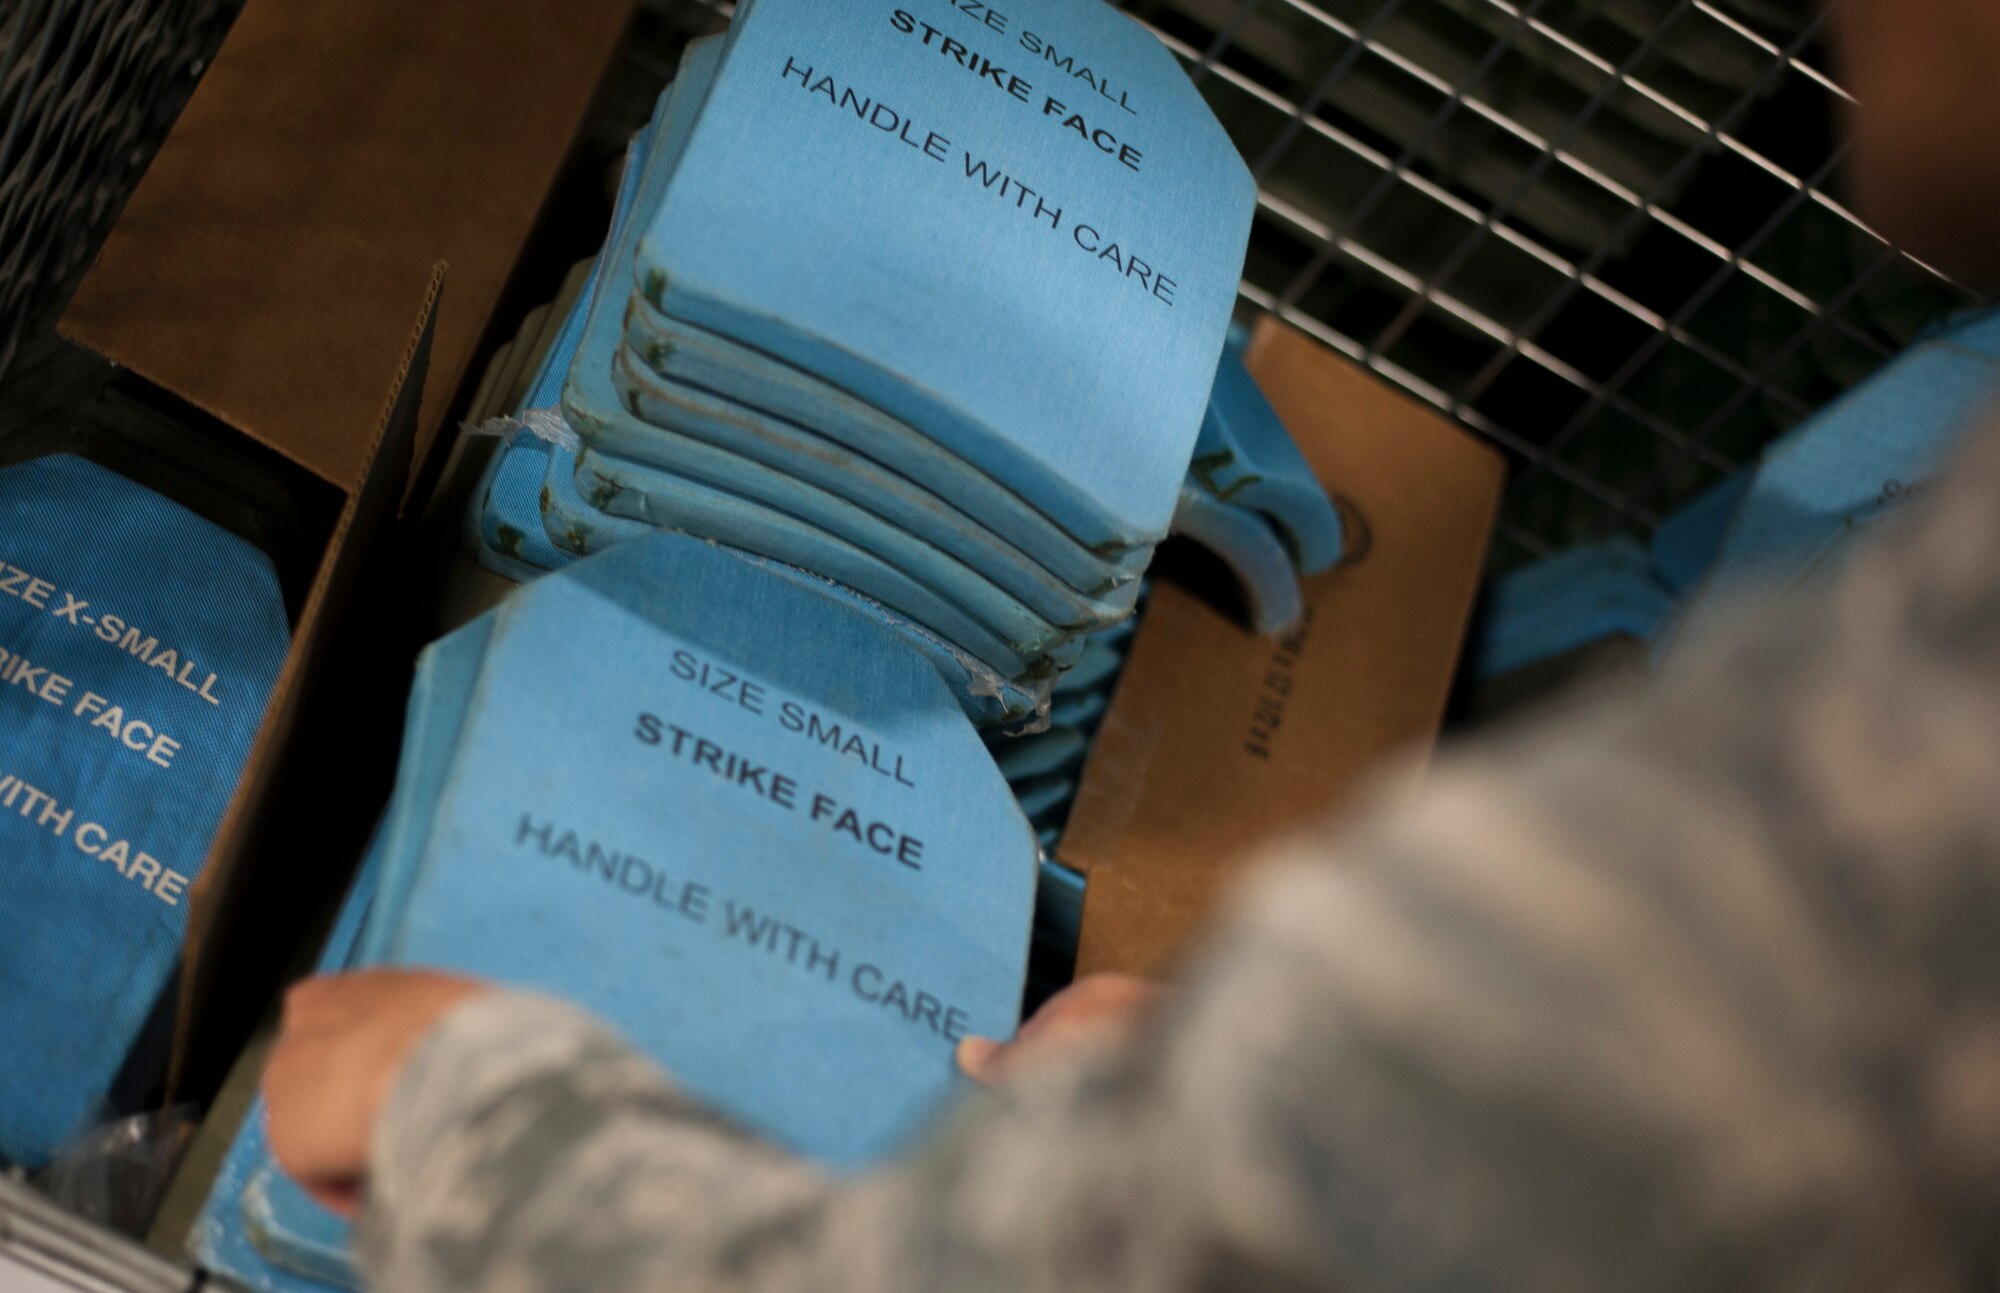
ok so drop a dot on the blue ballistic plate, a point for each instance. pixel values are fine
(447, 672)
(1858, 461)
(134, 670)
(257, 1227)
(807, 419)
(261, 1228)
(575, 527)
(1054, 364)
(1045, 797)
(1119, 634)
(1023, 758)
(1080, 710)
(590, 398)
(671, 502)
(612, 411)
(493, 537)
(1059, 901)
(1098, 666)
(1245, 458)
(708, 859)
(1685, 545)
(795, 399)
(1250, 547)
(593, 404)
(507, 504)
(223, 1240)
(489, 536)
(511, 539)
(1864, 456)
(987, 698)
(1576, 597)
(503, 565)
(509, 499)
(742, 435)
(786, 495)
(1780, 522)
(990, 700)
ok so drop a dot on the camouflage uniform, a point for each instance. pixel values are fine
(1698, 991)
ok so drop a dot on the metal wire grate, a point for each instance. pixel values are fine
(87, 89)
(1606, 234)
(1603, 233)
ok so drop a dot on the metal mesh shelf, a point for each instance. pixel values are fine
(1606, 234)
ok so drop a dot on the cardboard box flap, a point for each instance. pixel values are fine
(1218, 740)
(333, 153)
(264, 800)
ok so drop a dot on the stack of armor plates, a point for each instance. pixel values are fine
(782, 864)
(928, 307)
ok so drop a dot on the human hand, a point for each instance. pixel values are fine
(1098, 1006)
(341, 1044)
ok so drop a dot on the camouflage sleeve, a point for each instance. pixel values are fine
(1700, 990)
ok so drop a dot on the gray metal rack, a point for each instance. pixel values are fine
(45, 1250)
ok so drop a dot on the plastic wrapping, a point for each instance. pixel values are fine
(116, 1174)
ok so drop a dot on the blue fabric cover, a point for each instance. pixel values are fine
(622, 787)
(1248, 544)
(749, 443)
(138, 646)
(1245, 458)
(684, 879)
(672, 502)
(1053, 358)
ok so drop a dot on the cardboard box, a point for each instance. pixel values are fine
(313, 260)
(1218, 740)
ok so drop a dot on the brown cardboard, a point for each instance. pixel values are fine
(1218, 740)
(306, 700)
(264, 269)
(279, 268)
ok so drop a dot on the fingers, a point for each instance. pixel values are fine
(343, 1041)
(341, 1198)
(310, 1090)
(980, 1058)
(1100, 1006)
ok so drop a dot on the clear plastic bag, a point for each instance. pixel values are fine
(116, 1174)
